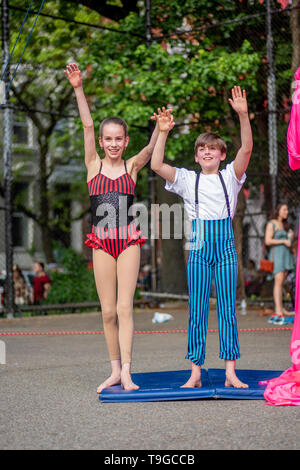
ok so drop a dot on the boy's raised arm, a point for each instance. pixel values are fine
(239, 104)
(165, 123)
(143, 157)
(75, 78)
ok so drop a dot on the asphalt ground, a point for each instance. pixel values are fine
(49, 401)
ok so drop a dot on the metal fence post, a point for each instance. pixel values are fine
(7, 139)
(272, 117)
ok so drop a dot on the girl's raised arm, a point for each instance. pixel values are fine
(142, 158)
(74, 76)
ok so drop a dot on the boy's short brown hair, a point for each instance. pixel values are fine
(210, 138)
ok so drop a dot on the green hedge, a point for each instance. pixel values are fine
(75, 284)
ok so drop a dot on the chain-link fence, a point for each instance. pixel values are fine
(268, 29)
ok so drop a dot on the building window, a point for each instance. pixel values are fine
(19, 220)
(61, 135)
(20, 232)
(20, 129)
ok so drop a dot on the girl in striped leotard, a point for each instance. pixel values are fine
(114, 239)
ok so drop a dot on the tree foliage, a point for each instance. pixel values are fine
(43, 94)
(199, 50)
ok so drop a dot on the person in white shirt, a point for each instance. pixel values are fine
(210, 199)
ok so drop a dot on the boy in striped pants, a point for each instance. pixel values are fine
(210, 199)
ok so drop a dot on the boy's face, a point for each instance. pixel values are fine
(209, 157)
(113, 141)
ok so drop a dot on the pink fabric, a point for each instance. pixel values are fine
(285, 390)
(293, 134)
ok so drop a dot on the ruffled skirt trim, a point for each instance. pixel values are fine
(136, 238)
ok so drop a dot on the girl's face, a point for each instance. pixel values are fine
(283, 211)
(209, 158)
(113, 141)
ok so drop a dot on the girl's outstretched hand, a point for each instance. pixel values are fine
(164, 119)
(239, 100)
(73, 74)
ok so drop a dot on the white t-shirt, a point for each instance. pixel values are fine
(211, 197)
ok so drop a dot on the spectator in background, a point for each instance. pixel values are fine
(144, 278)
(22, 295)
(279, 238)
(41, 283)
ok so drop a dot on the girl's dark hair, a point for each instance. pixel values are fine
(210, 138)
(113, 120)
(275, 215)
(17, 268)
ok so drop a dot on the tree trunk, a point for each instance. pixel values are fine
(44, 204)
(47, 244)
(238, 235)
(173, 269)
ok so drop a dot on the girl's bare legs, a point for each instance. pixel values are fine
(128, 265)
(279, 279)
(105, 272)
(231, 378)
(195, 378)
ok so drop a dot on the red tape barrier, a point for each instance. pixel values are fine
(35, 333)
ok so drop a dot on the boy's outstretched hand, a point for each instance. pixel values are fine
(164, 119)
(74, 75)
(239, 100)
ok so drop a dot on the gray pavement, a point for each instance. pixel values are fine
(48, 389)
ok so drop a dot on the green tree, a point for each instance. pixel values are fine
(199, 51)
(42, 92)
(132, 80)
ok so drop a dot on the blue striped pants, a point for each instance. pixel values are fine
(212, 254)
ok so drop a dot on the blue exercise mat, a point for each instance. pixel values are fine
(250, 377)
(159, 386)
(166, 386)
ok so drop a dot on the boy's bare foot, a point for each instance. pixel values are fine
(112, 380)
(192, 383)
(195, 378)
(233, 381)
(231, 378)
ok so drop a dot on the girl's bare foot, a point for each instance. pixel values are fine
(112, 380)
(115, 377)
(195, 378)
(128, 384)
(126, 379)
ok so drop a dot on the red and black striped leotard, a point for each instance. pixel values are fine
(113, 229)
